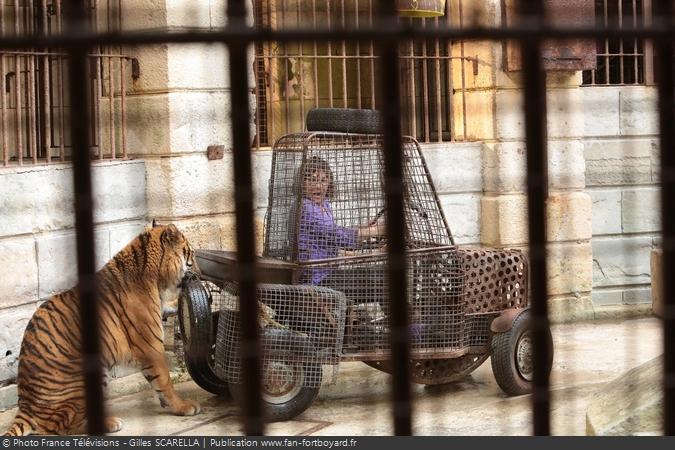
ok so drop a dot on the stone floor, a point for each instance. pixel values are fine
(587, 355)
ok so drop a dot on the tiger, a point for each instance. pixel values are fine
(132, 289)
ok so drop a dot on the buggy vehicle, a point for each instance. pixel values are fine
(323, 286)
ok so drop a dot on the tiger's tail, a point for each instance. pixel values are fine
(22, 426)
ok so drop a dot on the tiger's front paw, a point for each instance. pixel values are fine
(113, 424)
(186, 408)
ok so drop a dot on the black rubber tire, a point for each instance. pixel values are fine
(344, 120)
(197, 329)
(302, 398)
(510, 378)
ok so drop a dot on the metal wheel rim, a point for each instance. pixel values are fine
(524, 356)
(281, 381)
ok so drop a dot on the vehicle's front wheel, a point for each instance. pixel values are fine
(287, 387)
(512, 363)
(198, 327)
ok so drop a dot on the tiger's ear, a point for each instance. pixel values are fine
(171, 235)
(154, 223)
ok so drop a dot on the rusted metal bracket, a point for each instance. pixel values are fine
(214, 152)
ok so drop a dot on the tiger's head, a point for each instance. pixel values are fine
(177, 261)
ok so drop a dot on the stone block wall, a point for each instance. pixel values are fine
(621, 152)
(456, 169)
(182, 102)
(37, 236)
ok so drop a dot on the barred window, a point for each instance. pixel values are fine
(622, 61)
(34, 106)
(293, 77)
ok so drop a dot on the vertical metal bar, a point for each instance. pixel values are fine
(30, 109)
(60, 87)
(425, 88)
(111, 111)
(3, 100)
(358, 59)
(344, 60)
(450, 85)
(412, 89)
(272, 64)
(17, 91)
(301, 68)
(665, 52)
(316, 59)
(621, 48)
(243, 186)
(636, 48)
(534, 91)
(463, 71)
(46, 99)
(98, 88)
(84, 223)
(390, 106)
(123, 110)
(372, 59)
(330, 57)
(606, 43)
(437, 74)
(648, 43)
(285, 87)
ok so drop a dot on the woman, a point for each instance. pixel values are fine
(319, 237)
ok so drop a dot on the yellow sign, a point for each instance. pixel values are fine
(421, 8)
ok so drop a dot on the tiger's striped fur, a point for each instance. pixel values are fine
(133, 286)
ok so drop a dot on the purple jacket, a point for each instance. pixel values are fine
(319, 237)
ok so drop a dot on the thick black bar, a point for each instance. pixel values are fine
(533, 32)
(665, 57)
(243, 192)
(76, 15)
(534, 91)
(390, 106)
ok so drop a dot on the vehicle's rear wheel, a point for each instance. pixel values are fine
(512, 363)
(198, 330)
(287, 387)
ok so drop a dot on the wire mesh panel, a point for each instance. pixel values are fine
(327, 199)
(454, 293)
(301, 328)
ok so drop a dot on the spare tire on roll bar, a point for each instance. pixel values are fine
(344, 120)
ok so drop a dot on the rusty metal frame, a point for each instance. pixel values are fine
(434, 62)
(644, 52)
(386, 32)
(37, 98)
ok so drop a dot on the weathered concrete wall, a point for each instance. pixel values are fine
(621, 152)
(493, 104)
(37, 236)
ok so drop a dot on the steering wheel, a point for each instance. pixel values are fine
(374, 242)
(379, 214)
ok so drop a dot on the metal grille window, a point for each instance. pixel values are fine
(293, 77)
(622, 61)
(34, 107)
